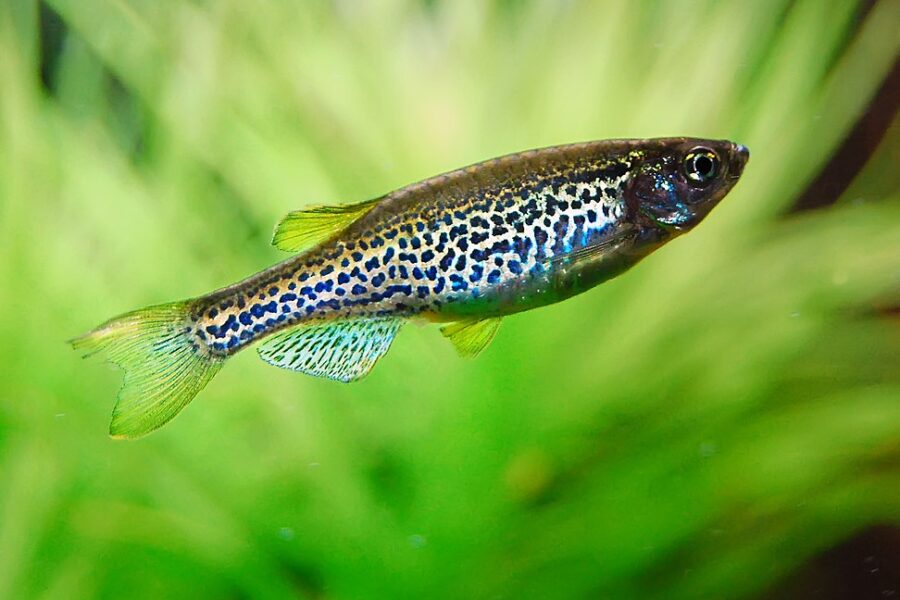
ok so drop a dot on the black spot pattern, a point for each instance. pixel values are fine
(427, 257)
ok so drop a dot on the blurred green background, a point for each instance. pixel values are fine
(713, 424)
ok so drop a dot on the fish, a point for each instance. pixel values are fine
(464, 250)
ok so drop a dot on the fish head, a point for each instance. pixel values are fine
(678, 181)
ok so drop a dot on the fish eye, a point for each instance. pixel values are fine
(701, 165)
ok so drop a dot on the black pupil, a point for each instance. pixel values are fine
(704, 166)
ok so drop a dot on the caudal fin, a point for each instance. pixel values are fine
(163, 370)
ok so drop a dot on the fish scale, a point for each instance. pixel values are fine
(425, 260)
(465, 249)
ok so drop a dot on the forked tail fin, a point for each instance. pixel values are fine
(163, 370)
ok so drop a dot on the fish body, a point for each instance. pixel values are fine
(465, 248)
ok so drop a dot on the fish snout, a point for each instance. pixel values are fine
(740, 154)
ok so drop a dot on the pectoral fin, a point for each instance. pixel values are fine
(592, 252)
(342, 350)
(471, 337)
(302, 229)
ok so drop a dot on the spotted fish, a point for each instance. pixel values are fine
(464, 249)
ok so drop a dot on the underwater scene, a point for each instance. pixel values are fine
(630, 271)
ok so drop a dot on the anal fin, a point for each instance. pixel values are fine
(304, 228)
(340, 350)
(471, 337)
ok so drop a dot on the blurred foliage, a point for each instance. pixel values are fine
(699, 427)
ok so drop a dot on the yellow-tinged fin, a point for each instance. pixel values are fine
(471, 337)
(302, 229)
(341, 350)
(163, 370)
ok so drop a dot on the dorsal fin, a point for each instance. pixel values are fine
(341, 350)
(471, 337)
(302, 229)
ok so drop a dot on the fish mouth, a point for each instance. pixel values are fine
(740, 154)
